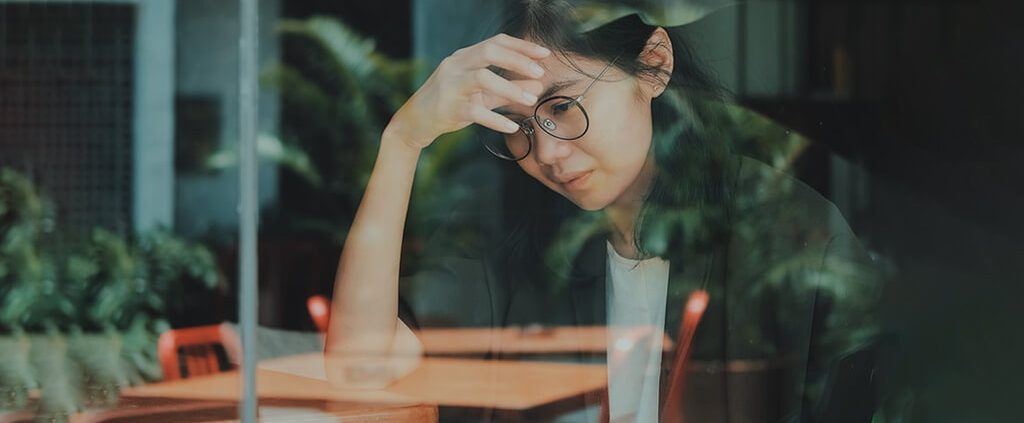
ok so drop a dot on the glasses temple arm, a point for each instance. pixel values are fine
(606, 67)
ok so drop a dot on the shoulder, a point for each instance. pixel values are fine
(780, 221)
(783, 225)
(758, 183)
(774, 200)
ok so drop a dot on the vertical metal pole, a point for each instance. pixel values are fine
(248, 219)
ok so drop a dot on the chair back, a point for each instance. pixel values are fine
(320, 311)
(197, 351)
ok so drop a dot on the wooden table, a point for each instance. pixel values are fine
(141, 409)
(519, 340)
(508, 386)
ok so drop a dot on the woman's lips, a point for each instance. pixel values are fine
(578, 182)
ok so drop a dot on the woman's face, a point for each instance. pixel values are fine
(612, 163)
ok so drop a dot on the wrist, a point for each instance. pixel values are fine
(395, 142)
(398, 132)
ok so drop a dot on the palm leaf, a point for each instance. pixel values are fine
(595, 13)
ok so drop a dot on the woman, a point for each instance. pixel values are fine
(619, 123)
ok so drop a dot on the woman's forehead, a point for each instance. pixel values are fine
(563, 76)
(561, 68)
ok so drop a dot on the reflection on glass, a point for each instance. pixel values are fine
(81, 315)
(717, 282)
(95, 280)
(659, 226)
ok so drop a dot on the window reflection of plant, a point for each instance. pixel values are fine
(80, 321)
(337, 95)
(769, 213)
(768, 221)
(340, 93)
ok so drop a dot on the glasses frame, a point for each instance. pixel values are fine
(528, 130)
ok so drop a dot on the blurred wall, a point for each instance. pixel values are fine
(153, 125)
(207, 73)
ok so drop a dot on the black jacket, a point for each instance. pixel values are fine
(789, 331)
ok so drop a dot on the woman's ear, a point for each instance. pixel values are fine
(658, 53)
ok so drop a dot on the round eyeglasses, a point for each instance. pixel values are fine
(561, 117)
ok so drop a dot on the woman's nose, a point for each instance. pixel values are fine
(549, 150)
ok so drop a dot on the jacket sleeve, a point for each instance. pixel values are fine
(450, 282)
(840, 384)
(447, 291)
(821, 288)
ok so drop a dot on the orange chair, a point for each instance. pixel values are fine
(198, 351)
(320, 311)
(696, 305)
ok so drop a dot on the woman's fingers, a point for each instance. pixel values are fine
(505, 58)
(497, 86)
(528, 48)
(462, 90)
(507, 53)
(490, 119)
(530, 86)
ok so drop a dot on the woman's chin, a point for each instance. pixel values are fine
(587, 202)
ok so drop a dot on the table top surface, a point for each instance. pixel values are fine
(187, 410)
(458, 382)
(519, 340)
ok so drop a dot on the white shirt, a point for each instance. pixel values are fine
(636, 317)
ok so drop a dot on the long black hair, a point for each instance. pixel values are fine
(692, 160)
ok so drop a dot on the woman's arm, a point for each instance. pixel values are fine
(364, 324)
(367, 345)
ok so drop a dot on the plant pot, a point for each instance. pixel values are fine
(737, 391)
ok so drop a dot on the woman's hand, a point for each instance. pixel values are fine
(462, 90)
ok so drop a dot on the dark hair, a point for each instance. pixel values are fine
(691, 162)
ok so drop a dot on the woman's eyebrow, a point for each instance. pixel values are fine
(556, 87)
(551, 90)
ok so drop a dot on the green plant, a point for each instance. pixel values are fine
(337, 95)
(80, 322)
(594, 13)
(27, 274)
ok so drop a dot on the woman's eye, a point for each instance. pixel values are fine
(562, 106)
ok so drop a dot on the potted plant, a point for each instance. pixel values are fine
(80, 321)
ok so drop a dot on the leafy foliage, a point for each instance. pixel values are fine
(594, 13)
(80, 322)
(337, 96)
(338, 93)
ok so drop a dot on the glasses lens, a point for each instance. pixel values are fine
(506, 146)
(562, 117)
